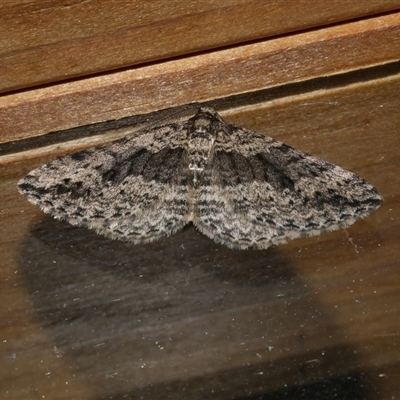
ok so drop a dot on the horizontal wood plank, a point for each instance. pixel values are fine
(49, 41)
(194, 319)
(205, 77)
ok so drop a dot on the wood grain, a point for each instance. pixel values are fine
(204, 77)
(196, 320)
(50, 41)
(83, 317)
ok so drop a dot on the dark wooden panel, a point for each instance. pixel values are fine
(84, 317)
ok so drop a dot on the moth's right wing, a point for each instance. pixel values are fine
(134, 189)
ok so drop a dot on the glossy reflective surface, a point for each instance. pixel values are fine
(85, 317)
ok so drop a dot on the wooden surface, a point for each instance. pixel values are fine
(223, 73)
(89, 318)
(83, 317)
(50, 41)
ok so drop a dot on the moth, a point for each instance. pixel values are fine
(238, 187)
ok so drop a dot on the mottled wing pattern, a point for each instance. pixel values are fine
(257, 192)
(239, 187)
(134, 189)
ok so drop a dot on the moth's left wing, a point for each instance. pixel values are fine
(259, 192)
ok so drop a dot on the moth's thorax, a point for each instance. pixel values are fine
(201, 138)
